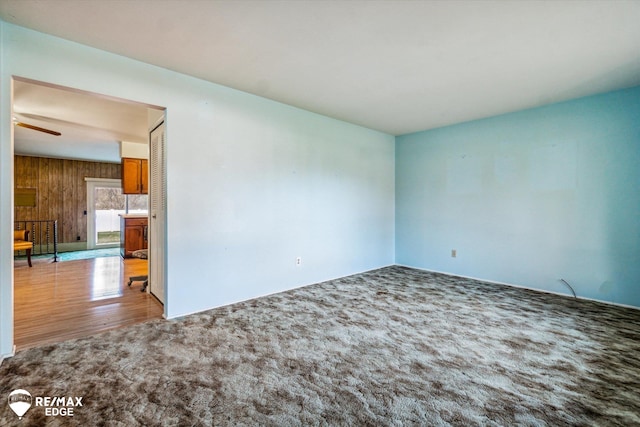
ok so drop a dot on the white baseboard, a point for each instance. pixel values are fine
(521, 287)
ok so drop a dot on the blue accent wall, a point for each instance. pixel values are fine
(529, 198)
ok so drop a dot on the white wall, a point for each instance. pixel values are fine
(252, 183)
(6, 208)
(529, 198)
(135, 150)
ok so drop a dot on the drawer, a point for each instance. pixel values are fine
(135, 221)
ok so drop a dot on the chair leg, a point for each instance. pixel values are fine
(144, 278)
(29, 257)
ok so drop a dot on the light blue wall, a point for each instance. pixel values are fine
(252, 184)
(528, 198)
(525, 198)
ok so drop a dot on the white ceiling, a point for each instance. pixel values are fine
(394, 66)
(91, 126)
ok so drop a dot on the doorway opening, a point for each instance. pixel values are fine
(85, 210)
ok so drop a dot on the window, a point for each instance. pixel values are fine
(105, 204)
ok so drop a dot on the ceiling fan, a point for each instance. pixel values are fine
(34, 127)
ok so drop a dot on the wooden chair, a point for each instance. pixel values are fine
(21, 243)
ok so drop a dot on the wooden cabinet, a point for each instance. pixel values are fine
(135, 176)
(133, 235)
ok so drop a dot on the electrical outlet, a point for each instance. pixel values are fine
(453, 253)
(299, 261)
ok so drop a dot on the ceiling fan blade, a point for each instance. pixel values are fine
(38, 128)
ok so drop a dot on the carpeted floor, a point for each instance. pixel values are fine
(393, 346)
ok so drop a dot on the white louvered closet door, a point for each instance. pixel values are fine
(157, 217)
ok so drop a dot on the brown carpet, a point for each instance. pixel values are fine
(393, 346)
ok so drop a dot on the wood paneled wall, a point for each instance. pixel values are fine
(61, 191)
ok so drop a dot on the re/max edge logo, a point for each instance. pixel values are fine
(21, 400)
(58, 406)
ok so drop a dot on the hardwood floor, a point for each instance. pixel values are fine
(54, 302)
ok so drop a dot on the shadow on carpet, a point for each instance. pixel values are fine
(394, 346)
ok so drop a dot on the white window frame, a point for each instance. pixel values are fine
(92, 183)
